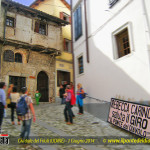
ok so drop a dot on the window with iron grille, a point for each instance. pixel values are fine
(112, 2)
(8, 56)
(40, 28)
(80, 65)
(123, 44)
(10, 21)
(18, 58)
(18, 82)
(78, 23)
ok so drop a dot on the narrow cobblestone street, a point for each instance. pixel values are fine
(50, 122)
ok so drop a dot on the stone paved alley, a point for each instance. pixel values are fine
(50, 122)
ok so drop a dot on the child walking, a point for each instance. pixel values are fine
(37, 97)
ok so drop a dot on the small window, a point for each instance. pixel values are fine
(18, 82)
(10, 21)
(78, 23)
(40, 28)
(112, 2)
(123, 44)
(80, 65)
(65, 17)
(8, 56)
(18, 58)
(67, 45)
(62, 76)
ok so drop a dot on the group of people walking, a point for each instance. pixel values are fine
(66, 93)
(15, 98)
(67, 96)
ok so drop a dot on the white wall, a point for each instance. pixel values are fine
(104, 77)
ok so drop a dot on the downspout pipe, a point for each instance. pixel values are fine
(72, 50)
(147, 24)
(4, 37)
(146, 16)
(86, 31)
(5, 15)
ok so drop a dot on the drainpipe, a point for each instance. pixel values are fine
(147, 23)
(5, 15)
(4, 37)
(146, 16)
(73, 60)
(86, 31)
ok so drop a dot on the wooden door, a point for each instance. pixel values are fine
(42, 86)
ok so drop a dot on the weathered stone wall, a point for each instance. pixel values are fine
(24, 31)
(36, 63)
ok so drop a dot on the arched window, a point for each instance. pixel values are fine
(18, 58)
(8, 56)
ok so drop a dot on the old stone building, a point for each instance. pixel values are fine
(64, 63)
(29, 42)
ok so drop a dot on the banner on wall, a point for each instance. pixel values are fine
(130, 116)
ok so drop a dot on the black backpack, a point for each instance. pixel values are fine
(22, 107)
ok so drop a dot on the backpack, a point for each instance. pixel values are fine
(22, 107)
(73, 98)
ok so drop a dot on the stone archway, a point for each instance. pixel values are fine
(42, 86)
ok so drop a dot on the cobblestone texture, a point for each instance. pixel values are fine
(50, 122)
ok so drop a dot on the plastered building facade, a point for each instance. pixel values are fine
(112, 48)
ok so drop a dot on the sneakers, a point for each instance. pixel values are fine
(69, 123)
(80, 113)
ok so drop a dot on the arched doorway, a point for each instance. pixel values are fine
(42, 86)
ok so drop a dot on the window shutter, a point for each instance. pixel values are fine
(64, 44)
(62, 15)
(70, 19)
(58, 76)
(36, 29)
(14, 22)
(47, 29)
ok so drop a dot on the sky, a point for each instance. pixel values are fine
(28, 2)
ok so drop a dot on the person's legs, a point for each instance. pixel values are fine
(18, 119)
(22, 129)
(65, 113)
(12, 114)
(62, 100)
(70, 113)
(27, 128)
(37, 101)
(1, 115)
(81, 109)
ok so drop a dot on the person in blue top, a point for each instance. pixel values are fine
(79, 99)
(2, 102)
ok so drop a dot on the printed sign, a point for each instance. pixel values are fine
(4, 139)
(132, 117)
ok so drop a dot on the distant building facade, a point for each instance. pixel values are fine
(29, 43)
(64, 62)
(112, 48)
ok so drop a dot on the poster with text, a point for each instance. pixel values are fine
(132, 117)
